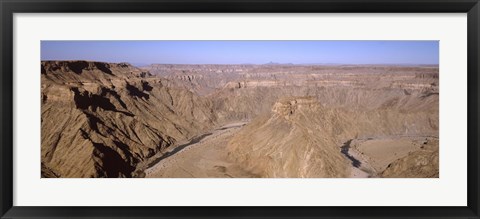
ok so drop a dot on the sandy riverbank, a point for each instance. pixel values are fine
(206, 158)
(372, 156)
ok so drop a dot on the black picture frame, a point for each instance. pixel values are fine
(9, 7)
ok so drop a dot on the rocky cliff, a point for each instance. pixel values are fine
(302, 137)
(111, 119)
(101, 119)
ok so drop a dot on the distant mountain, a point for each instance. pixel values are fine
(276, 63)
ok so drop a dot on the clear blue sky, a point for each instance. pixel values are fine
(241, 52)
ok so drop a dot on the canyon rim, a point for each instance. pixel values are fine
(365, 114)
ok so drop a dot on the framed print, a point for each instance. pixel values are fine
(224, 109)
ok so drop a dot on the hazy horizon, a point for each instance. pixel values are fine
(221, 52)
(300, 64)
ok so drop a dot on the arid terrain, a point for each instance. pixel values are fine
(273, 120)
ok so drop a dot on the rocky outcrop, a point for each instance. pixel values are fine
(423, 163)
(106, 119)
(290, 143)
(101, 119)
(302, 138)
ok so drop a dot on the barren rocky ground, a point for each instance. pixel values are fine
(116, 120)
(206, 158)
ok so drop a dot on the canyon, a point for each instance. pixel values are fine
(238, 121)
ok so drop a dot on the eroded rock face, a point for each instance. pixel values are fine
(423, 163)
(289, 143)
(302, 138)
(101, 119)
(104, 119)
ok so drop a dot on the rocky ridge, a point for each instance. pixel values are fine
(105, 119)
(101, 119)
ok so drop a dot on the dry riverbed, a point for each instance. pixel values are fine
(371, 156)
(203, 157)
